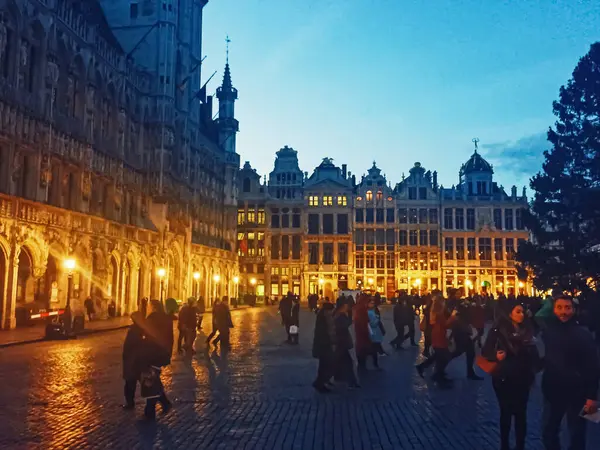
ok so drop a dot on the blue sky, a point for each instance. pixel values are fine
(398, 81)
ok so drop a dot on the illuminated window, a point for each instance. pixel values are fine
(260, 217)
(342, 200)
(313, 200)
(274, 270)
(369, 196)
(240, 217)
(379, 196)
(327, 200)
(251, 216)
(275, 289)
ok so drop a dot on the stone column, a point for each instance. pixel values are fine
(134, 295)
(12, 270)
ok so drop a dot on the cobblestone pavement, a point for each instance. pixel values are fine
(67, 395)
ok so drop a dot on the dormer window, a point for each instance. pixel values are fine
(369, 196)
(379, 196)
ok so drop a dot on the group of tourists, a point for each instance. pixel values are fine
(149, 343)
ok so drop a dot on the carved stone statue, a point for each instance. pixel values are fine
(86, 186)
(45, 173)
(52, 74)
(24, 54)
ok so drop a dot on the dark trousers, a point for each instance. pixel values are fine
(467, 346)
(189, 337)
(479, 337)
(325, 370)
(427, 341)
(512, 399)
(129, 390)
(180, 339)
(362, 357)
(399, 339)
(200, 317)
(212, 334)
(411, 331)
(441, 357)
(223, 338)
(150, 409)
(344, 367)
(554, 411)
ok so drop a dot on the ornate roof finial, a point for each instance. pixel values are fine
(475, 141)
(227, 41)
(374, 163)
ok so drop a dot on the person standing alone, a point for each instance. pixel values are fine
(571, 374)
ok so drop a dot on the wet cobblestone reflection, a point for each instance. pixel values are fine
(259, 396)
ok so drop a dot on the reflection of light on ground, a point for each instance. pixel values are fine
(67, 392)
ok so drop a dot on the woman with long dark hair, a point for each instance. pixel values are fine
(439, 322)
(323, 347)
(510, 343)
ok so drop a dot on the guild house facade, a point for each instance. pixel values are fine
(115, 180)
(330, 231)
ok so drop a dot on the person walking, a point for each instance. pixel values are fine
(215, 311)
(462, 331)
(364, 347)
(158, 333)
(440, 322)
(399, 314)
(285, 310)
(89, 308)
(478, 319)
(571, 375)
(510, 343)
(295, 320)
(133, 348)
(188, 320)
(375, 331)
(426, 326)
(409, 318)
(344, 365)
(323, 347)
(223, 324)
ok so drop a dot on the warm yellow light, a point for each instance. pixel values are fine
(69, 264)
(500, 283)
(217, 278)
(236, 280)
(196, 275)
(418, 282)
(521, 284)
(252, 281)
(161, 272)
(370, 280)
(483, 284)
(321, 281)
(469, 283)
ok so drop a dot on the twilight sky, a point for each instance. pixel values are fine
(398, 81)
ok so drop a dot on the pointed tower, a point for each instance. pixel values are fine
(227, 95)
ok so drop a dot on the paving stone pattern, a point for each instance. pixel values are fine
(259, 396)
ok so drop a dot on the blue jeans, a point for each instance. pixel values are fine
(554, 411)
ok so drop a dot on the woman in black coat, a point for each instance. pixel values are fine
(344, 364)
(511, 344)
(133, 348)
(323, 347)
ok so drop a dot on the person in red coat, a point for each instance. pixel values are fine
(364, 346)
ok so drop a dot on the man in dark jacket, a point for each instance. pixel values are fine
(461, 331)
(571, 374)
(158, 331)
(285, 309)
(133, 348)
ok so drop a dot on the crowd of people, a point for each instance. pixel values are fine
(452, 326)
(509, 353)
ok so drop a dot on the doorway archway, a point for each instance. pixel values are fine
(3, 296)
(25, 280)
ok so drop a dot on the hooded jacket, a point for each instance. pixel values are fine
(571, 364)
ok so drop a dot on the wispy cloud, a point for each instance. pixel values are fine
(519, 159)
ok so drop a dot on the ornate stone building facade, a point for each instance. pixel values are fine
(328, 232)
(110, 157)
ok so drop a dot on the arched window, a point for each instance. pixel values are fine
(379, 196)
(369, 196)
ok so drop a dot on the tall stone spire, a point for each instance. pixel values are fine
(227, 95)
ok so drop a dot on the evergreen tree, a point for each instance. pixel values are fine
(565, 211)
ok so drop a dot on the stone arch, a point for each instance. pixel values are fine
(4, 297)
(113, 277)
(174, 271)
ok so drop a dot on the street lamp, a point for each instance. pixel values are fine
(236, 280)
(69, 264)
(253, 283)
(469, 284)
(216, 279)
(196, 276)
(161, 272)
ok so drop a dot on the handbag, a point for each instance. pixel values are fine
(150, 382)
(489, 367)
(293, 329)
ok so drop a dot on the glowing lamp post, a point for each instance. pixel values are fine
(196, 276)
(236, 281)
(69, 265)
(161, 272)
(216, 279)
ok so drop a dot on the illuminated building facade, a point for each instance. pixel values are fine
(328, 232)
(109, 155)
